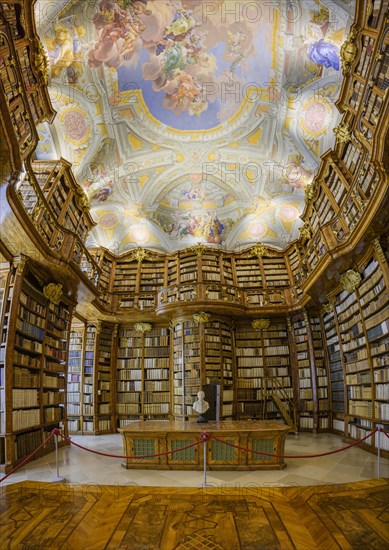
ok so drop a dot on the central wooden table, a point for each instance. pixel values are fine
(154, 437)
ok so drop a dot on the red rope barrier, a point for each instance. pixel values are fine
(129, 457)
(290, 456)
(29, 457)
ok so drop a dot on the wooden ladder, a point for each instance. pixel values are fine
(273, 390)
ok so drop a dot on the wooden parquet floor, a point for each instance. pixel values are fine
(37, 516)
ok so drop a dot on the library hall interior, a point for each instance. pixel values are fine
(194, 274)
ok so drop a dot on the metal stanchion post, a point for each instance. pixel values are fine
(58, 477)
(205, 463)
(379, 451)
(205, 439)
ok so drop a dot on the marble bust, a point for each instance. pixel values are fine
(201, 406)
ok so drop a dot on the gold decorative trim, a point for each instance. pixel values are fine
(258, 250)
(328, 307)
(350, 280)
(311, 191)
(348, 51)
(143, 327)
(40, 61)
(260, 324)
(305, 232)
(199, 249)
(53, 292)
(343, 133)
(379, 253)
(19, 262)
(201, 317)
(139, 254)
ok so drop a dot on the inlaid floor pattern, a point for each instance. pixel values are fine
(36, 516)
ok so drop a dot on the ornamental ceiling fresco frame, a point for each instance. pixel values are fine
(193, 121)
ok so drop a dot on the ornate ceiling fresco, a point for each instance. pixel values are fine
(193, 121)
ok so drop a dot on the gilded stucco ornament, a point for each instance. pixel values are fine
(199, 249)
(328, 307)
(349, 50)
(143, 327)
(379, 253)
(260, 324)
(53, 292)
(258, 250)
(41, 63)
(305, 232)
(83, 200)
(343, 133)
(311, 191)
(139, 254)
(201, 317)
(350, 280)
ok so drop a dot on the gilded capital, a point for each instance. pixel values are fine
(350, 280)
(19, 262)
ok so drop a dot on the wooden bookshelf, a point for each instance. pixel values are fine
(33, 362)
(143, 374)
(75, 376)
(187, 366)
(23, 73)
(249, 370)
(88, 377)
(306, 382)
(104, 380)
(129, 376)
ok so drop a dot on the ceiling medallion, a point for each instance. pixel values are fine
(258, 250)
(139, 254)
(142, 327)
(350, 280)
(260, 324)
